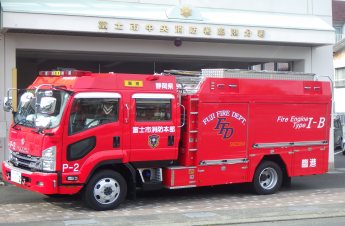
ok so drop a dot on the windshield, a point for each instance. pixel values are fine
(26, 113)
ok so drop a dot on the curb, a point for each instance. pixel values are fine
(269, 219)
(250, 220)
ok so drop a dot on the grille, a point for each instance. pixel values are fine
(24, 161)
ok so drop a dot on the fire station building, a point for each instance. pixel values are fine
(150, 36)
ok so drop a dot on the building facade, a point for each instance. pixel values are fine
(339, 57)
(339, 78)
(148, 36)
(338, 14)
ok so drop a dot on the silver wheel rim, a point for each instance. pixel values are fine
(268, 178)
(106, 191)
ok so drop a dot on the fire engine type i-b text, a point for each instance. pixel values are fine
(106, 135)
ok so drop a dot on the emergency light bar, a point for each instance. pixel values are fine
(65, 73)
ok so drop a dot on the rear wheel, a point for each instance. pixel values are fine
(267, 178)
(105, 190)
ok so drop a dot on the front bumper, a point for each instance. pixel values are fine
(44, 183)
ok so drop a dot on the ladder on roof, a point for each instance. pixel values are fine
(270, 75)
(188, 82)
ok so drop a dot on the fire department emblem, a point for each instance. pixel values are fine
(153, 141)
(224, 128)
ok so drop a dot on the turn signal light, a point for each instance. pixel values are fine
(72, 178)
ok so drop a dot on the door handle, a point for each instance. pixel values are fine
(127, 114)
(170, 140)
(116, 142)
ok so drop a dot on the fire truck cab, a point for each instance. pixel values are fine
(106, 135)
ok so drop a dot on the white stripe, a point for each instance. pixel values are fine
(153, 95)
(97, 95)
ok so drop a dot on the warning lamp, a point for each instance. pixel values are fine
(152, 78)
(76, 73)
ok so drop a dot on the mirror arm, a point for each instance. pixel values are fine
(36, 91)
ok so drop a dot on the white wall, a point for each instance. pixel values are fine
(7, 63)
(311, 7)
(339, 98)
(162, 47)
(339, 94)
(322, 62)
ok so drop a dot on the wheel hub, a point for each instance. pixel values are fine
(106, 191)
(268, 178)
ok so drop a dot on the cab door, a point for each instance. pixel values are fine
(153, 127)
(93, 134)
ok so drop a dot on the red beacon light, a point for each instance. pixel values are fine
(57, 73)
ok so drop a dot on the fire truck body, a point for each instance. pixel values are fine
(151, 131)
(233, 125)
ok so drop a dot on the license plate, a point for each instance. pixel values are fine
(16, 176)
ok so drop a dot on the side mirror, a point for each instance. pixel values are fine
(47, 105)
(8, 104)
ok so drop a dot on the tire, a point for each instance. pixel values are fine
(105, 191)
(268, 178)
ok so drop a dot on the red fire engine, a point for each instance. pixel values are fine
(106, 135)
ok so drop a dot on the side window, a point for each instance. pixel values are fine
(90, 112)
(152, 109)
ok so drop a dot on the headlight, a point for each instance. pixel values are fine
(49, 159)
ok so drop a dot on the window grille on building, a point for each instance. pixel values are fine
(340, 77)
(272, 66)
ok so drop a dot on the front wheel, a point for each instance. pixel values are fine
(268, 178)
(105, 190)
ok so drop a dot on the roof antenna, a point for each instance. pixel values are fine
(154, 67)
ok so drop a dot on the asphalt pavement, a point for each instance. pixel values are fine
(310, 200)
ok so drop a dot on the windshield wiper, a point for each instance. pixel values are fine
(22, 122)
(19, 122)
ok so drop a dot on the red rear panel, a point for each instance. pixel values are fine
(296, 130)
(282, 122)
